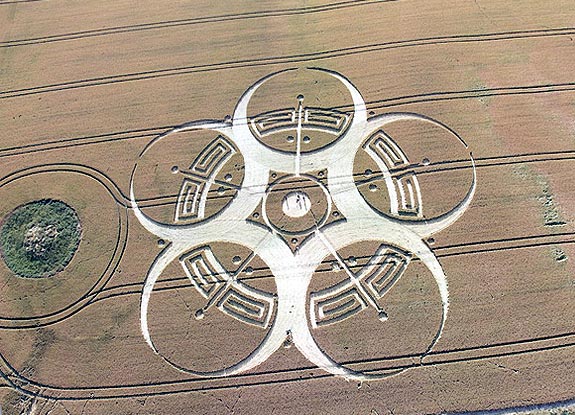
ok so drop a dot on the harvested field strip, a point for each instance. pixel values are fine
(105, 293)
(475, 93)
(72, 168)
(82, 141)
(449, 165)
(371, 105)
(481, 162)
(299, 58)
(300, 374)
(471, 248)
(19, 1)
(191, 21)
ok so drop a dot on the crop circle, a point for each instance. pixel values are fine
(296, 212)
(38, 239)
(296, 204)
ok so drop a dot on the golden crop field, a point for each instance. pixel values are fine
(345, 207)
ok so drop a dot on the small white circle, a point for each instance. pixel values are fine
(200, 314)
(296, 204)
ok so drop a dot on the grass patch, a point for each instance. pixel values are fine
(39, 239)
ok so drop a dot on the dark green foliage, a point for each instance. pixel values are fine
(57, 235)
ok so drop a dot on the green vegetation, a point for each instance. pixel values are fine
(39, 239)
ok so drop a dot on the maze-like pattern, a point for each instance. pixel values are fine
(232, 296)
(192, 197)
(248, 305)
(204, 271)
(287, 313)
(384, 269)
(336, 304)
(329, 121)
(369, 285)
(404, 191)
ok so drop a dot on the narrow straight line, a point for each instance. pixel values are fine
(282, 59)
(350, 274)
(298, 134)
(106, 31)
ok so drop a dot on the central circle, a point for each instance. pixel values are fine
(296, 204)
(290, 211)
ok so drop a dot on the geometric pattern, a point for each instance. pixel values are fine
(362, 289)
(294, 313)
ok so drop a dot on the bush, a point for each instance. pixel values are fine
(39, 239)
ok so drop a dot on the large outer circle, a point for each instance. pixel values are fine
(171, 173)
(216, 340)
(413, 307)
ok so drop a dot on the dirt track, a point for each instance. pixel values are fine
(86, 86)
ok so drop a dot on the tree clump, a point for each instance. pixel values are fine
(39, 239)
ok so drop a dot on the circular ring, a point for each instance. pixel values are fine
(317, 222)
(52, 316)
